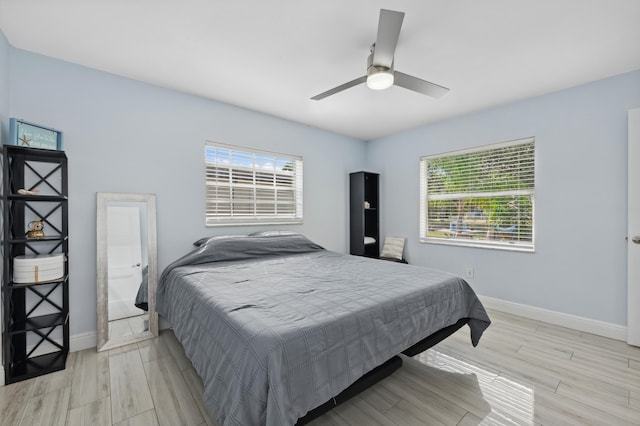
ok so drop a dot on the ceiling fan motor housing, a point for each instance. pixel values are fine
(378, 77)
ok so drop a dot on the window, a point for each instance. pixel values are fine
(251, 187)
(479, 197)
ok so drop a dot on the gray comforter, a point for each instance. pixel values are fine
(276, 326)
(142, 297)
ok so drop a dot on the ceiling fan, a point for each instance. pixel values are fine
(380, 72)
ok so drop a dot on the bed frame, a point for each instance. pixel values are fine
(381, 371)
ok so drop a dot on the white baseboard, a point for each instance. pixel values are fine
(600, 328)
(79, 342)
(88, 340)
(82, 341)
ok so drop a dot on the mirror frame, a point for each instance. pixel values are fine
(102, 275)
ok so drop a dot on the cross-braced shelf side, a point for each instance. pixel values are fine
(35, 313)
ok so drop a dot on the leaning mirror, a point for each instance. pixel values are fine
(127, 269)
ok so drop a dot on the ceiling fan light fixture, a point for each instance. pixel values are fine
(380, 63)
(379, 78)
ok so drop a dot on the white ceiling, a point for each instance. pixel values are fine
(272, 56)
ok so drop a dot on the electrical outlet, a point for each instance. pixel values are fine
(468, 273)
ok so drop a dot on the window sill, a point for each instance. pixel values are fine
(477, 244)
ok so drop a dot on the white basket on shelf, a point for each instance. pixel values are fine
(38, 268)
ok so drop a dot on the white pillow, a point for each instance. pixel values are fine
(393, 248)
(272, 233)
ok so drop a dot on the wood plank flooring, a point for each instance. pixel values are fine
(523, 372)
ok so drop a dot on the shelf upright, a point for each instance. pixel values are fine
(35, 315)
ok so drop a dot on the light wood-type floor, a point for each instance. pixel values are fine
(127, 326)
(523, 372)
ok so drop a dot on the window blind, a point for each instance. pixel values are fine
(249, 187)
(480, 197)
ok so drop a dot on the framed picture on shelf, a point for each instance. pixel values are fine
(30, 135)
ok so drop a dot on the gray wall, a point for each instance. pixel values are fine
(125, 136)
(579, 266)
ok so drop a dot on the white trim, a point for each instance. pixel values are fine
(486, 147)
(600, 328)
(483, 244)
(77, 342)
(82, 341)
(89, 340)
(163, 323)
(250, 150)
(230, 158)
(445, 194)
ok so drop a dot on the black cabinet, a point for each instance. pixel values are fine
(364, 214)
(35, 315)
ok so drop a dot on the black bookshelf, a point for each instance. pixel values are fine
(35, 316)
(364, 214)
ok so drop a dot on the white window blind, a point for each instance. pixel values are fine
(251, 187)
(480, 197)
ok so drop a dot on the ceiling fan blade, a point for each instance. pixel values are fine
(388, 32)
(340, 88)
(418, 85)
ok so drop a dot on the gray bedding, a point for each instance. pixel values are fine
(276, 325)
(142, 297)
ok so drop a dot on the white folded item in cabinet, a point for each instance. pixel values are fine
(38, 268)
(369, 240)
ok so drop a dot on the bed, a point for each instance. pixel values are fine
(277, 326)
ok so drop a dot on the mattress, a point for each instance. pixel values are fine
(276, 325)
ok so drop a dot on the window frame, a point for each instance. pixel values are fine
(256, 218)
(470, 242)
